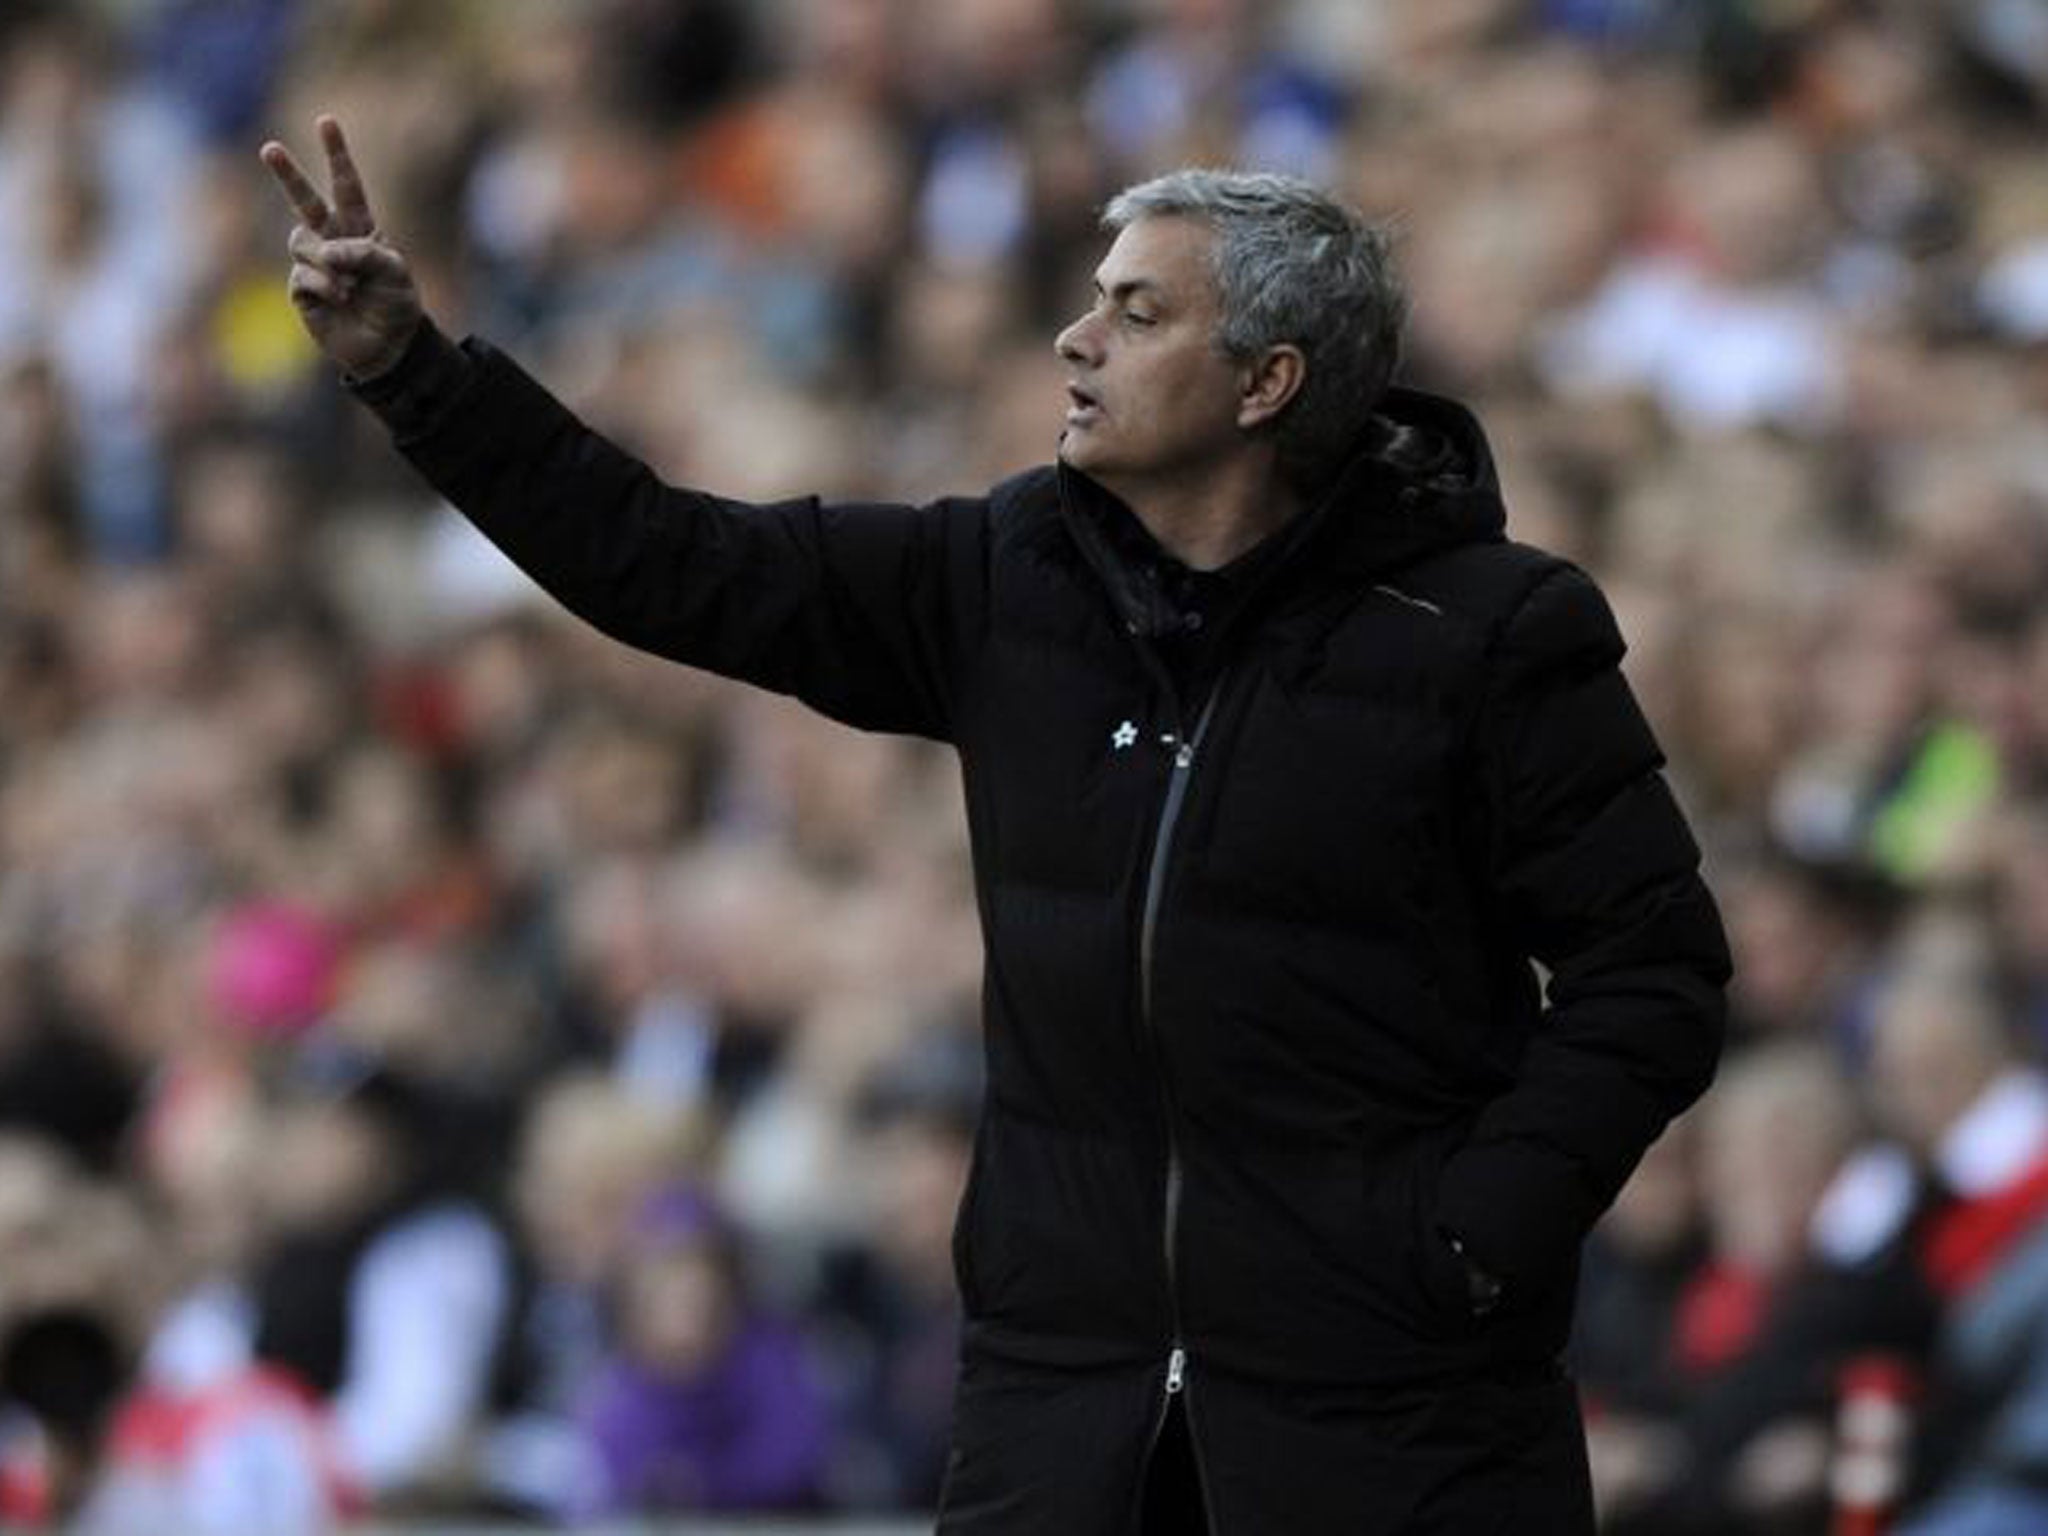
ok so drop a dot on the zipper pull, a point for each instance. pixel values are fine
(1176, 1370)
(1184, 755)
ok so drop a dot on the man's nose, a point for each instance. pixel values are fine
(1076, 344)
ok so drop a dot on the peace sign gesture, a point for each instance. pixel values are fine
(351, 287)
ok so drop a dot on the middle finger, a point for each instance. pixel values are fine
(351, 203)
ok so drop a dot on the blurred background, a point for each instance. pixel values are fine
(452, 1068)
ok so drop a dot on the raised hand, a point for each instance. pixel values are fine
(350, 286)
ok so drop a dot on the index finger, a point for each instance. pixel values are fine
(306, 199)
(351, 204)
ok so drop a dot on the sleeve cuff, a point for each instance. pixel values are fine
(415, 393)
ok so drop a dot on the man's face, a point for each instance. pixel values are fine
(1151, 400)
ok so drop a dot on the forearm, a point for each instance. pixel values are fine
(861, 611)
(414, 394)
(1622, 1049)
(1592, 871)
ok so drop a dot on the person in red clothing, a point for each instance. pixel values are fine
(242, 1447)
(1953, 1088)
(1733, 1407)
(1640, 1263)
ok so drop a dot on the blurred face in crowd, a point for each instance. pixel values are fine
(1658, 1210)
(678, 1309)
(1934, 1050)
(923, 1164)
(1789, 942)
(1152, 401)
(325, 1163)
(2023, 870)
(588, 1156)
(1772, 1136)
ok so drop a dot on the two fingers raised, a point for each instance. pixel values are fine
(348, 214)
(351, 289)
(336, 242)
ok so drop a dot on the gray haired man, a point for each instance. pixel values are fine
(1285, 772)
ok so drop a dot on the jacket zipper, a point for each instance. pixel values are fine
(1186, 745)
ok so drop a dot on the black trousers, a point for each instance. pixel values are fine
(1172, 1504)
(1039, 1450)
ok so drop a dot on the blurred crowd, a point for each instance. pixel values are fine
(449, 1064)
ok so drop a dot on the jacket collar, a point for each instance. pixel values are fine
(1420, 479)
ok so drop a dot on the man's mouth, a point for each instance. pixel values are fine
(1082, 407)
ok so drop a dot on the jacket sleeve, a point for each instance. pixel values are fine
(1594, 874)
(865, 612)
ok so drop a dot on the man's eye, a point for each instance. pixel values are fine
(1133, 317)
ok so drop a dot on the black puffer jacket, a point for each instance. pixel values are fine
(1260, 1003)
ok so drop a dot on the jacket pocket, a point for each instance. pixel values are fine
(1430, 1277)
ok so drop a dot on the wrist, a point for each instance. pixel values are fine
(414, 393)
(388, 362)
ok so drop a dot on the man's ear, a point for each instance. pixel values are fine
(1268, 382)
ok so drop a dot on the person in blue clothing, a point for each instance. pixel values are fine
(1344, 945)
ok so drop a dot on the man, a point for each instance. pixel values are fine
(1282, 768)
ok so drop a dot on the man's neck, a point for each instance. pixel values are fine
(1205, 526)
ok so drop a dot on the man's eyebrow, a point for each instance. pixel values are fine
(1131, 285)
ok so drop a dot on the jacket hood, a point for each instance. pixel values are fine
(1420, 478)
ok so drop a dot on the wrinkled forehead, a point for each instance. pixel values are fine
(1170, 257)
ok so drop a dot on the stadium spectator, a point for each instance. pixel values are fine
(707, 1402)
